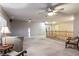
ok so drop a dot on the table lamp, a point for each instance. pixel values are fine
(5, 30)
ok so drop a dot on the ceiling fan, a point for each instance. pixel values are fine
(51, 9)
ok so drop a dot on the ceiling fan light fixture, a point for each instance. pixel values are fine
(51, 13)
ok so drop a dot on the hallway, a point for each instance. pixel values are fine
(47, 47)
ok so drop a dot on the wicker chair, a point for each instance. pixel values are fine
(72, 41)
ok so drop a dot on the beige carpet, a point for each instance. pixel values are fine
(47, 47)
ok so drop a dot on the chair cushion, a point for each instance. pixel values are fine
(74, 41)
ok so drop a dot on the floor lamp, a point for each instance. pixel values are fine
(4, 30)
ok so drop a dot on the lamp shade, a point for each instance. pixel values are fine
(5, 30)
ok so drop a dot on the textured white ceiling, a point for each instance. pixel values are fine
(70, 8)
(25, 11)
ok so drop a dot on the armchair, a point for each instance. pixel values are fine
(72, 41)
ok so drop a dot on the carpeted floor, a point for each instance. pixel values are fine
(47, 47)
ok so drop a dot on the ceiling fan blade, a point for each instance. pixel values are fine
(57, 5)
(58, 10)
(51, 7)
(62, 13)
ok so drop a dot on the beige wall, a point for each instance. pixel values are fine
(20, 28)
(76, 25)
(65, 26)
